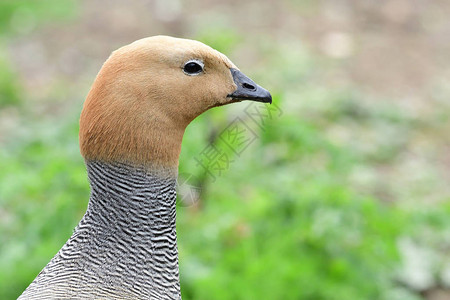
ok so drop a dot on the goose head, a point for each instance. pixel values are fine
(146, 94)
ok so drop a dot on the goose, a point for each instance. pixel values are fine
(131, 127)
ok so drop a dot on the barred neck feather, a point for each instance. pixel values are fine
(125, 245)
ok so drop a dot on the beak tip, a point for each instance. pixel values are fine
(269, 98)
(264, 96)
(247, 89)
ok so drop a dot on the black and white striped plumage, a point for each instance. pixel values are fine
(125, 247)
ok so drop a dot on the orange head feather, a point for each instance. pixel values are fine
(142, 100)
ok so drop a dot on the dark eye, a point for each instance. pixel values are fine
(193, 67)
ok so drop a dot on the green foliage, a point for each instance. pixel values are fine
(272, 229)
(17, 16)
(285, 220)
(220, 38)
(9, 87)
(21, 17)
(43, 193)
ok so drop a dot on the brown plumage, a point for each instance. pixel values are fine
(126, 116)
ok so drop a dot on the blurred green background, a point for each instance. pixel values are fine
(343, 195)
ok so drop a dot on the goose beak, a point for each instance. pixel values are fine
(247, 89)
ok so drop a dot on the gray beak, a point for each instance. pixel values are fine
(247, 89)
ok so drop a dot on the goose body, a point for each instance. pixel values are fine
(131, 127)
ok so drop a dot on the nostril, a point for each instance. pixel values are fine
(248, 86)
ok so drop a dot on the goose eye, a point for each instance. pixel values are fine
(193, 67)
